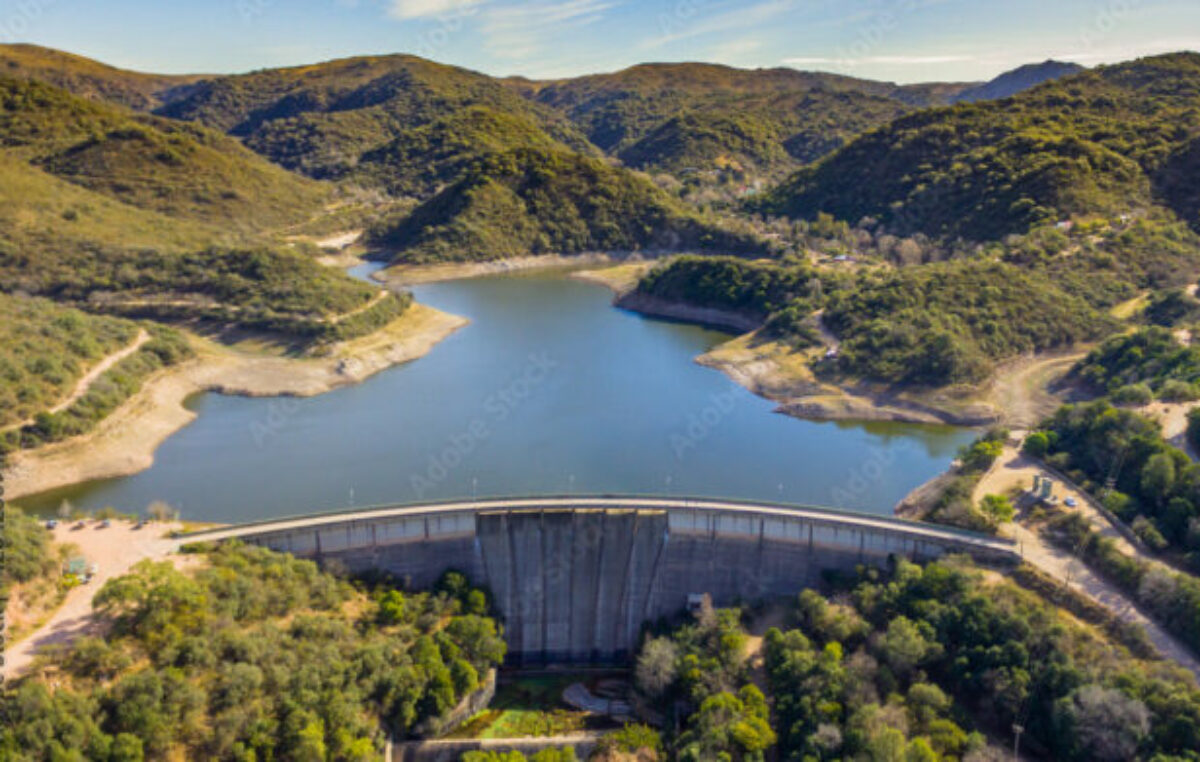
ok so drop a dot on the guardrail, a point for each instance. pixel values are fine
(533, 502)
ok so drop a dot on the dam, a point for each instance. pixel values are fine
(573, 579)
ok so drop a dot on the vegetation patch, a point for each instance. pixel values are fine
(254, 656)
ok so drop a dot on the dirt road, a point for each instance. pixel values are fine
(1012, 470)
(115, 550)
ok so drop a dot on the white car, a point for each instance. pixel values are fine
(1071, 502)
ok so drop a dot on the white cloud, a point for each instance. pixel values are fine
(417, 9)
(520, 31)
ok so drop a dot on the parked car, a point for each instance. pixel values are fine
(51, 524)
(106, 524)
(1070, 502)
(80, 524)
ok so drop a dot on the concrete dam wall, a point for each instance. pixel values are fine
(574, 579)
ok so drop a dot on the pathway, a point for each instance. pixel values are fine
(85, 382)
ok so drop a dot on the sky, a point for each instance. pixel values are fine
(895, 40)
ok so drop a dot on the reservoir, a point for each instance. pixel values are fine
(549, 390)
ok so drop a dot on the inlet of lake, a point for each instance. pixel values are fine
(549, 390)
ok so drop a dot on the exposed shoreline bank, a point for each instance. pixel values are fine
(408, 275)
(773, 371)
(125, 442)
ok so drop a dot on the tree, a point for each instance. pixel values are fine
(1158, 476)
(998, 508)
(161, 511)
(1193, 428)
(904, 646)
(1036, 444)
(656, 666)
(1104, 723)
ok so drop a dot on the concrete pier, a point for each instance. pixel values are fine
(574, 579)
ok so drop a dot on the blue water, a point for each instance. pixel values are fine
(548, 390)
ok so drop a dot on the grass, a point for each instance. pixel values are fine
(526, 707)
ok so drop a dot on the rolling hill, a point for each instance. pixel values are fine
(94, 80)
(135, 214)
(537, 201)
(650, 115)
(320, 120)
(182, 170)
(1106, 141)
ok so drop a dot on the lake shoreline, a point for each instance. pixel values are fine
(774, 372)
(410, 275)
(125, 442)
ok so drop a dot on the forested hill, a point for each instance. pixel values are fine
(1107, 141)
(179, 169)
(410, 126)
(320, 119)
(533, 201)
(92, 79)
(113, 210)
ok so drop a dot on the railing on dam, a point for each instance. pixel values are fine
(599, 501)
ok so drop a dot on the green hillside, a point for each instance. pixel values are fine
(1105, 141)
(689, 117)
(45, 348)
(423, 160)
(320, 119)
(92, 79)
(930, 325)
(532, 201)
(120, 212)
(949, 322)
(184, 171)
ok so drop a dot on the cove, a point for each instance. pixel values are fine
(549, 390)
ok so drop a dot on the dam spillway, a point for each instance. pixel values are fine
(574, 579)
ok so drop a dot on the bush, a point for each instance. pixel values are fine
(1133, 395)
(1175, 390)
